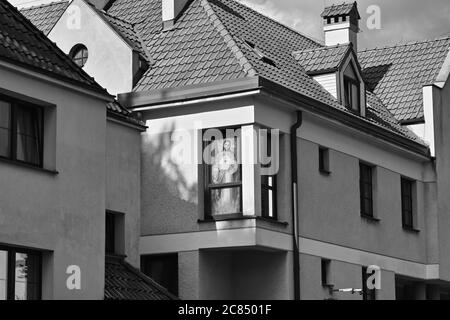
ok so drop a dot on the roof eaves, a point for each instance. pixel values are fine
(247, 67)
(355, 121)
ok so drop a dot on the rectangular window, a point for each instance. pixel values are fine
(352, 95)
(21, 131)
(366, 192)
(325, 269)
(324, 160)
(163, 269)
(407, 203)
(20, 274)
(110, 238)
(268, 183)
(223, 174)
(368, 294)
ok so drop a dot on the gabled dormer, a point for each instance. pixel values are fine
(337, 69)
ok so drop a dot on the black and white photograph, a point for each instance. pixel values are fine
(223, 156)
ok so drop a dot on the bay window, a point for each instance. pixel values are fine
(268, 177)
(21, 131)
(223, 173)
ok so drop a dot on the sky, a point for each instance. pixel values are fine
(399, 21)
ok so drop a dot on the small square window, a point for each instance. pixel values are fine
(324, 160)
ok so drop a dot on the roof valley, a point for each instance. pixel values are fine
(229, 40)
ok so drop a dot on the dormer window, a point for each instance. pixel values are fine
(352, 90)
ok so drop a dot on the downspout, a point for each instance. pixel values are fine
(294, 175)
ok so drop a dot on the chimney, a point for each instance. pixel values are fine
(101, 4)
(171, 9)
(341, 24)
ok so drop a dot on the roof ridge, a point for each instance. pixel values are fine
(247, 67)
(410, 43)
(43, 5)
(117, 18)
(317, 41)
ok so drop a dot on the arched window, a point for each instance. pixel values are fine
(79, 54)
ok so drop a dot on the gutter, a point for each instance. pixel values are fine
(294, 177)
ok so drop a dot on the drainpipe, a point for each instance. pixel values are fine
(294, 175)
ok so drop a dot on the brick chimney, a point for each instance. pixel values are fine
(341, 24)
(170, 12)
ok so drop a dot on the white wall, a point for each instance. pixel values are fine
(110, 59)
(328, 81)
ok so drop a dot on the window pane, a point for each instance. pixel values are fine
(3, 274)
(355, 97)
(5, 113)
(225, 166)
(226, 201)
(26, 277)
(29, 126)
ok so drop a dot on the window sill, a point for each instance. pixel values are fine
(241, 217)
(325, 172)
(29, 166)
(411, 230)
(370, 218)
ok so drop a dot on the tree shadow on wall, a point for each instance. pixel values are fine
(169, 189)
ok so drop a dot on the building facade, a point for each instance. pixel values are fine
(67, 166)
(274, 166)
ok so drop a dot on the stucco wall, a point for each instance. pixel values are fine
(110, 59)
(329, 207)
(123, 181)
(62, 213)
(442, 145)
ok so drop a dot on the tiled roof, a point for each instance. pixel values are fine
(44, 17)
(397, 74)
(339, 9)
(21, 43)
(115, 109)
(210, 43)
(379, 114)
(128, 32)
(322, 59)
(218, 40)
(124, 282)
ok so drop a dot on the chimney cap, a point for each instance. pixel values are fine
(344, 9)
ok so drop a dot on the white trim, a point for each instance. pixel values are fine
(359, 257)
(201, 100)
(246, 236)
(251, 236)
